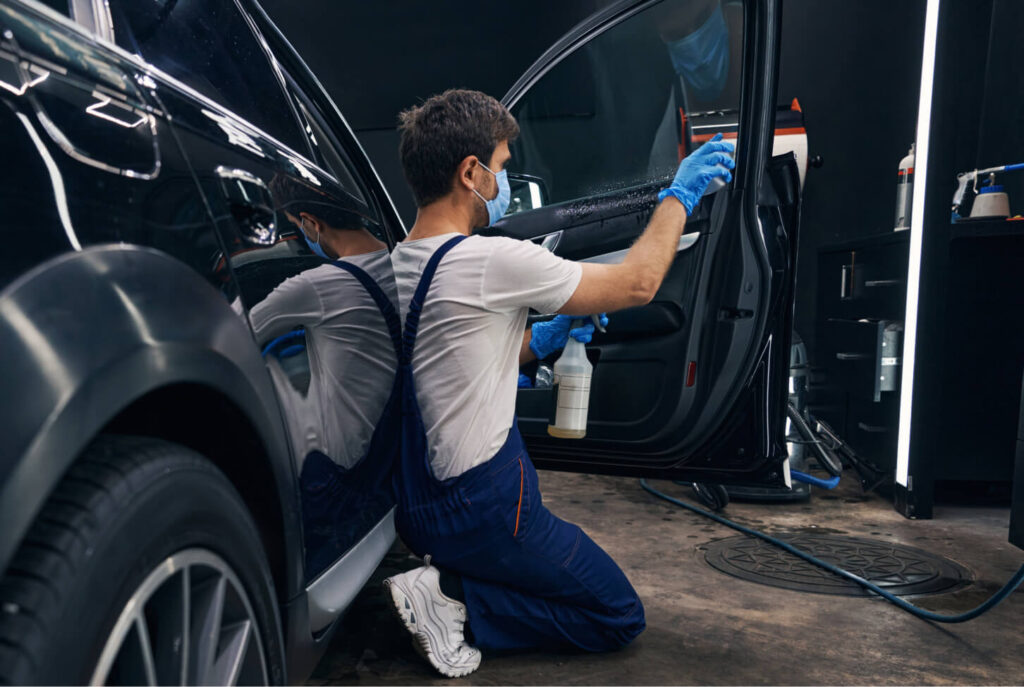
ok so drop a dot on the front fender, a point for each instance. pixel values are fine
(84, 335)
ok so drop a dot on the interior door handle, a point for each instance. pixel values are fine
(883, 282)
(551, 241)
(852, 356)
(251, 205)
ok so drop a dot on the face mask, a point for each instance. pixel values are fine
(702, 58)
(497, 206)
(313, 246)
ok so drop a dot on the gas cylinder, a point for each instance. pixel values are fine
(905, 190)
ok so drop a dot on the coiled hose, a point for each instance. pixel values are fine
(991, 603)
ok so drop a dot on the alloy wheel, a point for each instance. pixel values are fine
(190, 622)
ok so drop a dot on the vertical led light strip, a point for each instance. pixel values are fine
(924, 111)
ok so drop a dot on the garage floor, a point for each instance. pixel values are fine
(706, 627)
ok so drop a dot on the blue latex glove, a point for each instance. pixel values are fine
(696, 171)
(524, 382)
(552, 335)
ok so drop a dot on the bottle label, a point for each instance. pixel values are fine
(573, 402)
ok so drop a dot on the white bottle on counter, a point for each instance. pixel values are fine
(572, 376)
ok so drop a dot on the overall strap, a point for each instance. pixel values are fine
(384, 304)
(412, 319)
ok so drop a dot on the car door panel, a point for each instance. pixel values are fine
(693, 384)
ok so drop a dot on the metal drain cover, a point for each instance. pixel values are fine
(901, 570)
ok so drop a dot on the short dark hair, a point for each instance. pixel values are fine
(445, 130)
(295, 196)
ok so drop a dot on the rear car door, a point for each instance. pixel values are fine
(254, 154)
(694, 385)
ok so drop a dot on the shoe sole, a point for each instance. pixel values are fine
(401, 608)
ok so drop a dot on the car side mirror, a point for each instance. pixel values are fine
(528, 193)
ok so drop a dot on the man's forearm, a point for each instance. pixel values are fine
(651, 256)
(634, 281)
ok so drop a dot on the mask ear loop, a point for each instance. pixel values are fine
(496, 193)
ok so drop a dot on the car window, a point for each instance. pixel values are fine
(60, 6)
(207, 45)
(328, 153)
(623, 109)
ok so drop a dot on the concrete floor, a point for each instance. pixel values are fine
(705, 627)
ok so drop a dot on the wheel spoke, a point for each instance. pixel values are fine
(235, 642)
(207, 612)
(186, 620)
(142, 632)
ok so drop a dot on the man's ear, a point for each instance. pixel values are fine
(465, 172)
(309, 223)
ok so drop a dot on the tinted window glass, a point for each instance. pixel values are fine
(624, 108)
(208, 45)
(328, 154)
(59, 5)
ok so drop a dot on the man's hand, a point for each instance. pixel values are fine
(636, 280)
(552, 335)
(711, 160)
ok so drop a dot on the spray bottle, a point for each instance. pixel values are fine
(905, 190)
(572, 377)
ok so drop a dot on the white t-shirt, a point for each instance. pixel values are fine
(352, 360)
(466, 358)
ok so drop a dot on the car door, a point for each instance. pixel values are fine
(694, 385)
(321, 331)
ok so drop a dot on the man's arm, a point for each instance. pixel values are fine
(635, 281)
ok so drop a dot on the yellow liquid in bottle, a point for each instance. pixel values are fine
(566, 433)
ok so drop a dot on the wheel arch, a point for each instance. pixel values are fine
(124, 338)
(202, 418)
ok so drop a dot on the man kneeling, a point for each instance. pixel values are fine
(468, 500)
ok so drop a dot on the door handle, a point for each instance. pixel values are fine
(551, 241)
(852, 356)
(251, 205)
(883, 282)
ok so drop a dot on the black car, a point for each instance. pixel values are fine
(186, 494)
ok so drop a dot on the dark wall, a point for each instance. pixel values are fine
(378, 58)
(1001, 130)
(855, 67)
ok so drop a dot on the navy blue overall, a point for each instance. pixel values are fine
(531, 580)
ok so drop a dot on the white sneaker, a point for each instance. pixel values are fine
(434, 620)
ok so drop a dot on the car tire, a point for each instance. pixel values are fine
(139, 535)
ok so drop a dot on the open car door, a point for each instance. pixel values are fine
(694, 385)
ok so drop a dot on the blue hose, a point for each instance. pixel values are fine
(814, 481)
(991, 603)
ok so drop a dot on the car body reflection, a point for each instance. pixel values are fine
(329, 335)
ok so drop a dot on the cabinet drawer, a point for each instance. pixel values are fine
(872, 430)
(869, 282)
(863, 358)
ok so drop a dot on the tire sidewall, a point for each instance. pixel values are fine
(185, 504)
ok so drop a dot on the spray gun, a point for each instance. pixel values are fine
(971, 177)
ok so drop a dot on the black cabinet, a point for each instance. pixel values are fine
(969, 354)
(862, 293)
